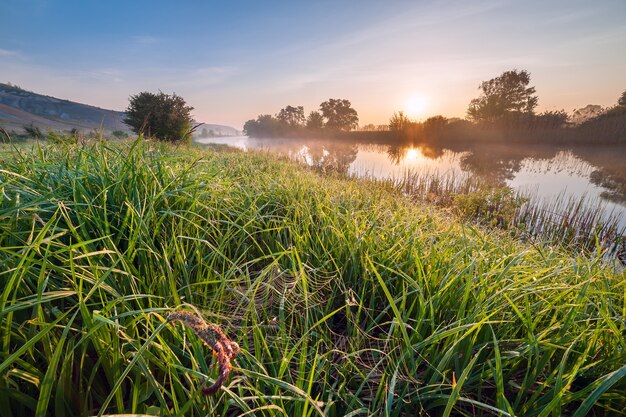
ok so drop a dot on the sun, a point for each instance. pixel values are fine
(416, 106)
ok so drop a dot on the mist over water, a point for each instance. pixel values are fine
(546, 173)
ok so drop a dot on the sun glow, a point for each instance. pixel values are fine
(411, 154)
(416, 106)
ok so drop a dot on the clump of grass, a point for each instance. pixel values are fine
(345, 296)
(496, 207)
(574, 222)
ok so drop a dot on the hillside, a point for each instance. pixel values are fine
(19, 108)
(206, 130)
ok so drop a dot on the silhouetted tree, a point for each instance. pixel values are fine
(292, 116)
(503, 97)
(435, 124)
(315, 121)
(622, 100)
(610, 124)
(339, 114)
(551, 119)
(399, 122)
(162, 116)
(264, 126)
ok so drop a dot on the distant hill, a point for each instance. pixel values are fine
(19, 108)
(206, 130)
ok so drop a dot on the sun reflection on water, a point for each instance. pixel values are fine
(412, 154)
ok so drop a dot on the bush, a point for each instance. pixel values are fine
(60, 139)
(161, 116)
(119, 134)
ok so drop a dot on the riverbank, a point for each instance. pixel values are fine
(344, 295)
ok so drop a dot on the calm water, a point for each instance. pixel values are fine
(595, 173)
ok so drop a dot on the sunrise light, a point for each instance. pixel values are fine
(416, 106)
(411, 154)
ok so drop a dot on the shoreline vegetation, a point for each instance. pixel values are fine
(504, 112)
(343, 298)
(606, 129)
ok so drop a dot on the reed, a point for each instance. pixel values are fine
(580, 224)
(344, 296)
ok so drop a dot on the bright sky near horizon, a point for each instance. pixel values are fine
(234, 60)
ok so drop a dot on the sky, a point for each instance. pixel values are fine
(233, 60)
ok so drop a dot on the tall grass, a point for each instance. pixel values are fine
(580, 224)
(576, 222)
(345, 297)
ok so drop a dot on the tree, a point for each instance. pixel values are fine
(551, 119)
(399, 122)
(503, 97)
(292, 116)
(622, 100)
(339, 114)
(315, 121)
(163, 116)
(264, 126)
(435, 125)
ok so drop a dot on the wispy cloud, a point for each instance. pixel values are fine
(571, 17)
(144, 40)
(113, 75)
(8, 52)
(410, 24)
(211, 75)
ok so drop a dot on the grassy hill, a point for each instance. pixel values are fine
(20, 108)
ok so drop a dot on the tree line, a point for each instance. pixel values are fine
(506, 102)
(335, 115)
(506, 108)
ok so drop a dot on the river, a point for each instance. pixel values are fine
(595, 175)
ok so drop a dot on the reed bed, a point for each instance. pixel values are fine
(345, 297)
(580, 224)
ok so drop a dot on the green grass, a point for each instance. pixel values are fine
(581, 224)
(345, 297)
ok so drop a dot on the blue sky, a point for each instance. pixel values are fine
(233, 60)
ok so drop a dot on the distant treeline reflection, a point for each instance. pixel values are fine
(489, 163)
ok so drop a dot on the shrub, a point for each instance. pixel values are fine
(161, 116)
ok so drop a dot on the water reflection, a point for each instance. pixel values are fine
(593, 172)
(330, 157)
